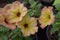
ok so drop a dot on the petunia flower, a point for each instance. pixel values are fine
(28, 26)
(47, 17)
(16, 11)
(4, 21)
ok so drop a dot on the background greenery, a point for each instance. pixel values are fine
(56, 25)
(57, 1)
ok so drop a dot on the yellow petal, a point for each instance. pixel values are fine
(7, 7)
(21, 7)
(26, 33)
(47, 17)
(16, 19)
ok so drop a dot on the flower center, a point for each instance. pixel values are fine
(6, 21)
(25, 25)
(18, 14)
(49, 16)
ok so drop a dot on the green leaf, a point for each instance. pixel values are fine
(17, 38)
(33, 3)
(17, 31)
(16, 34)
(3, 36)
(56, 2)
(56, 26)
(59, 34)
(58, 6)
(25, 1)
(58, 38)
(58, 15)
(28, 38)
(3, 29)
(38, 10)
(31, 12)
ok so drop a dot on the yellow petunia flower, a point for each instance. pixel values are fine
(47, 17)
(16, 11)
(28, 26)
(4, 21)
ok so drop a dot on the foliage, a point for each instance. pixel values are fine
(34, 8)
(56, 25)
(56, 2)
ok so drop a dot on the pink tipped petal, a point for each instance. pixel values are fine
(3, 22)
(16, 11)
(8, 6)
(16, 3)
(10, 26)
(50, 8)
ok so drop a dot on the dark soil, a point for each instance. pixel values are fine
(54, 36)
(50, 36)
